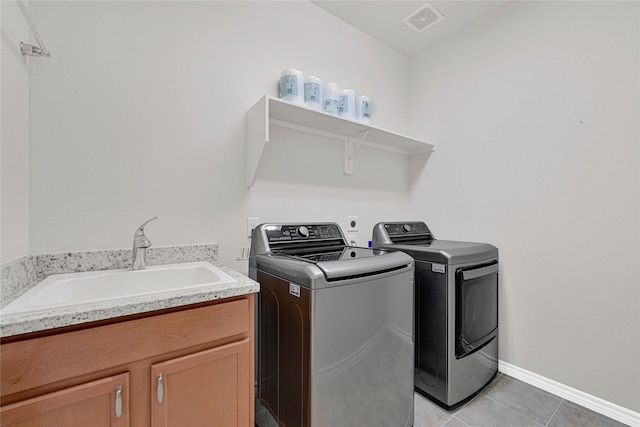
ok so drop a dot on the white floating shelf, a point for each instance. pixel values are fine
(270, 111)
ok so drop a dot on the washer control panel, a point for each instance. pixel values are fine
(395, 229)
(302, 232)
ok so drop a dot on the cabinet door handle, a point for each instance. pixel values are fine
(160, 389)
(118, 401)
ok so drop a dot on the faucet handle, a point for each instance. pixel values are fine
(140, 230)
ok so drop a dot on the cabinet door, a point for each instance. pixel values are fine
(210, 388)
(104, 402)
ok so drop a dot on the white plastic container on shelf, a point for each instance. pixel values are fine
(331, 98)
(292, 85)
(347, 108)
(313, 92)
(363, 109)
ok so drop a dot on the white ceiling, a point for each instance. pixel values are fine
(382, 20)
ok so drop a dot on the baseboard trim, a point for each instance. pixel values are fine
(594, 403)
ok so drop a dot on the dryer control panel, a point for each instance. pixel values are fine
(395, 229)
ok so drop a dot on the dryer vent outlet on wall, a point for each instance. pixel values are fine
(423, 18)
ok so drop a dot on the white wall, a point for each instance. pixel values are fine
(534, 111)
(14, 134)
(141, 112)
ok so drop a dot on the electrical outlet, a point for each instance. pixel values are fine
(352, 224)
(252, 222)
(243, 253)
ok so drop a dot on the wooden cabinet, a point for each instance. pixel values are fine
(203, 352)
(195, 389)
(101, 403)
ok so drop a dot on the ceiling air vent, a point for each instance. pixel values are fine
(423, 18)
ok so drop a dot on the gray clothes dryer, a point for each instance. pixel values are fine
(456, 311)
(335, 328)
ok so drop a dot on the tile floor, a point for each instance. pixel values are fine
(507, 402)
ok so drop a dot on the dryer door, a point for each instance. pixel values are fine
(476, 307)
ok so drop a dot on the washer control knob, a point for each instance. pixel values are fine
(303, 232)
(406, 228)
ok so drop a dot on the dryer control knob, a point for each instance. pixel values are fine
(303, 232)
(406, 228)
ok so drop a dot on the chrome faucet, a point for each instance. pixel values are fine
(140, 245)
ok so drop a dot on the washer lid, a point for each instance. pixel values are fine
(324, 274)
(350, 262)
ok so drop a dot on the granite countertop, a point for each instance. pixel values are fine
(21, 323)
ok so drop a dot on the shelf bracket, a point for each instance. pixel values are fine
(349, 151)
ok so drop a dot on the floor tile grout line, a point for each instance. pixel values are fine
(554, 412)
(514, 411)
(451, 415)
(436, 406)
(458, 410)
(591, 411)
(457, 419)
(532, 387)
(448, 419)
(490, 385)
